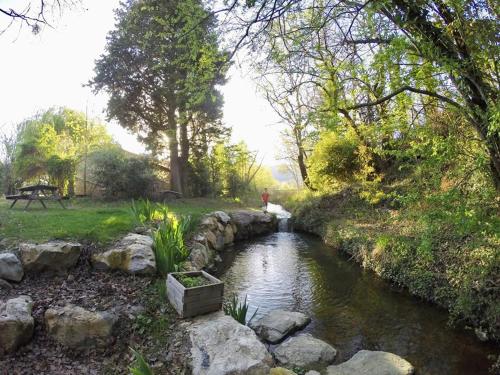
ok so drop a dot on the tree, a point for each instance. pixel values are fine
(160, 68)
(293, 100)
(445, 54)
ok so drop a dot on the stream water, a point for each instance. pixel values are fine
(350, 308)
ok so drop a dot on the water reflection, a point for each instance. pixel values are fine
(350, 309)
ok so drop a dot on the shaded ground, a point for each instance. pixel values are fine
(147, 323)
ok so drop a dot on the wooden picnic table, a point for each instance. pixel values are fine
(39, 192)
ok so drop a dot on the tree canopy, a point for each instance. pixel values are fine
(161, 69)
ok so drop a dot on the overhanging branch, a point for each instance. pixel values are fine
(399, 91)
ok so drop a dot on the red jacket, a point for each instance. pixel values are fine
(265, 197)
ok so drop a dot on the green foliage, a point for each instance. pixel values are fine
(49, 146)
(144, 211)
(193, 281)
(140, 366)
(169, 246)
(334, 161)
(120, 174)
(238, 310)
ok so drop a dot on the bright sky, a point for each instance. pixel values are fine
(50, 69)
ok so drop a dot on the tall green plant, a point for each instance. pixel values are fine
(140, 366)
(238, 310)
(169, 246)
(143, 211)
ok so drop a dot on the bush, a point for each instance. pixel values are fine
(121, 175)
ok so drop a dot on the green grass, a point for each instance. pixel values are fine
(86, 220)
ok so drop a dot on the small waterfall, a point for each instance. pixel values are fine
(282, 215)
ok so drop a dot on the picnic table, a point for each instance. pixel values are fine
(39, 193)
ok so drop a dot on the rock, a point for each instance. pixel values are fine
(305, 351)
(481, 335)
(143, 230)
(312, 372)
(252, 223)
(16, 322)
(5, 284)
(209, 222)
(228, 235)
(221, 345)
(211, 239)
(200, 256)
(54, 256)
(220, 227)
(222, 217)
(11, 267)
(278, 324)
(133, 254)
(219, 243)
(366, 362)
(75, 327)
(281, 371)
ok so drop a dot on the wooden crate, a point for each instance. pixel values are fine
(189, 302)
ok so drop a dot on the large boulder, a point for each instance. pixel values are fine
(221, 345)
(133, 254)
(278, 324)
(305, 351)
(366, 362)
(54, 256)
(16, 323)
(11, 267)
(253, 223)
(75, 327)
(200, 256)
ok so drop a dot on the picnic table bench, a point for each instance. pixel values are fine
(38, 192)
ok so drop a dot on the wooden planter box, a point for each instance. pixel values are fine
(189, 302)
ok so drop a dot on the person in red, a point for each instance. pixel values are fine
(265, 198)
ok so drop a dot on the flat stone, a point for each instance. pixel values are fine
(222, 217)
(366, 362)
(133, 254)
(211, 239)
(75, 327)
(305, 351)
(16, 323)
(312, 372)
(54, 256)
(222, 346)
(11, 267)
(278, 324)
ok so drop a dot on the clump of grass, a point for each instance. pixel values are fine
(238, 310)
(143, 211)
(169, 246)
(140, 366)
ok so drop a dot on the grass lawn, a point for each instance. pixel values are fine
(86, 220)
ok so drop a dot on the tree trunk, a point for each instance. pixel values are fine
(184, 159)
(175, 174)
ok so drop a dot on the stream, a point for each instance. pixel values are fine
(351, 309)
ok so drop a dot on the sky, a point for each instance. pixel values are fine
(51, 68)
